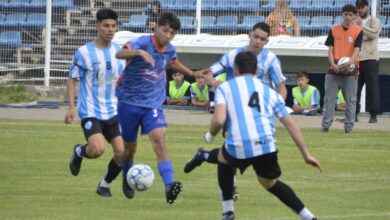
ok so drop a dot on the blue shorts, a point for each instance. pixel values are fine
(131, 117)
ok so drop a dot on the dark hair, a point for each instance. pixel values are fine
(302, 74)
(262, 26)
(106, 14)
(349, 8)
(246, 62)
(169, 18)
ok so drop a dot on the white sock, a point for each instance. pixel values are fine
(104, 183)
(227, 206)
(206, 155)
(306, 214)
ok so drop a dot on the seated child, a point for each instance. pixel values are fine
(178, 92)
(306, 97)
(199, 92)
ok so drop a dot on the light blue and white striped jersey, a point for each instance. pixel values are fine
(98, 71)
(251, 106)
(268, 64)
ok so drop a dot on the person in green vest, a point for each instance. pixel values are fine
(306, 97)
(199, 92)
(178, 90)
(221, 78)
(340, 102)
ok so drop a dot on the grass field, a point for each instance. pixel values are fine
(36, 183)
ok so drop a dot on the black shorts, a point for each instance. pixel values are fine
(109, 128)
(265, 165)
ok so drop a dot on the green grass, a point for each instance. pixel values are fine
(36, 183)
(15, 94)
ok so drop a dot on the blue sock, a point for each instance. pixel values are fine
(126, 164)
(165, 168)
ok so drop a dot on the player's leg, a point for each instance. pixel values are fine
(349, 89)
(154, 124)
(268, 170)
(226, 173)
(372, 88)
(361, 82)
(112, 135)
(331, 88)
(94, 148)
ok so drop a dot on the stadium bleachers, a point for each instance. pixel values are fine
(136, 22)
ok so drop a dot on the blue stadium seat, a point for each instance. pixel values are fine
(208, 4)
(338, 4)
(184, 5)
(136, 22)
(4, 3)
(300, 5)
(66, 4)
(2, 18)
(304, 22)
(248, 22)
(14, 20)
(327, 5)
(207, 22)
(38, 3)
(18, 3)
(320, 25)
(225, 5)
(11, 38)
(385, 24)
(167, 4)
(187, 23)
(248, 5)
(36, 20)
(270, 6)
(386, 6)
(227, 23)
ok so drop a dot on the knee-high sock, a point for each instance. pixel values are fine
(165, 169)
(112, 171)
(226, 181)
(287, 196)
(126, 165)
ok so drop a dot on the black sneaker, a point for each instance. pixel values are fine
(324, 130)
(356, 119)
(127, 190)
(173, 191)
(103, 191)
(347, 130)
(197, 160)
(75, 162)
(373, 119)
(235, 194)
(228, 216)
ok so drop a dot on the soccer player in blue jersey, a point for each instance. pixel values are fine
(141, 92)
(97, 69)
(247, 107)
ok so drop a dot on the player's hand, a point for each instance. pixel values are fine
(345, 67)
(147, 57)
(208, 137)
(313, 161)
(198, 73)
(69, 117)
(335, 68)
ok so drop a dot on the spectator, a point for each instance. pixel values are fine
(199, 92)
(178, 90)
(306, 97)
(340, 102)
(153, 15)
(282, 21)
(344, 40)
(369, 60)
(220, 78)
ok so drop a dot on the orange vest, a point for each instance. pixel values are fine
(344, 41)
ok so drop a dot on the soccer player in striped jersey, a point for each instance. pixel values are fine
(97, 69)
(141, 92)
(247, 107)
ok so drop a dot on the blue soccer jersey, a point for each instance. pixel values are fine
(251, 106)
(141, 84)
(268, 64)
(98, 71)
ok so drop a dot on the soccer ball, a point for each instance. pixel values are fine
(140, 177)
(344, 60)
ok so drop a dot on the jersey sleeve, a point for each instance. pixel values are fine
(135, 44)
(78, 67)
(220, 96)
(220, 66)
(275, 71)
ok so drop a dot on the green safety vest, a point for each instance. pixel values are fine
(202, 96)
(221, 77)
(340, 97)
(304, 100)
(179, 93)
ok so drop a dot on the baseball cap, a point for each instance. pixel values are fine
(361, 3)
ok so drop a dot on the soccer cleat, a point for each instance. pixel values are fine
(197, 160)
(325, 130)
(103, 191)
(127, 190)
(347, 131)
(356, 119)
(173, 191)
(75, 162)
(228, 215)
(236, 196)
(373, 119)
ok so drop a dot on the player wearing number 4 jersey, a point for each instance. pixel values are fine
(247, 107)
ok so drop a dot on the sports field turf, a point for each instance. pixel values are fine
(36, 183)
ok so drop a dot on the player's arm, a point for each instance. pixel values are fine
(333, 65)
(282, 90)
(297, 136)
(70, 91)
(196, 102)
(127, 53)
(373, 31)
(180, 67)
